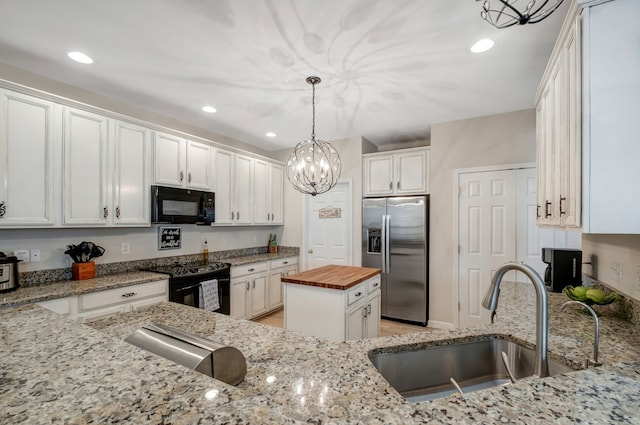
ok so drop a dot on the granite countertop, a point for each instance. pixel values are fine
(332, 276)
(66, 288)
(256, 258)
(55, 370)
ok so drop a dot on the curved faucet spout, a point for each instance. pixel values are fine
(490, 302)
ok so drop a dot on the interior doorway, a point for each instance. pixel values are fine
(328, 227)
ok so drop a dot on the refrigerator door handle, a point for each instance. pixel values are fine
(387, 253)
(383, 237)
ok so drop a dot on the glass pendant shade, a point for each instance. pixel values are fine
(505, 13)
(314, 165)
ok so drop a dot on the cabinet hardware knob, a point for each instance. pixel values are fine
(118, 212)
(538, 211)
(254, 285)
(189, 177)
(272, 216)
(390, 185)
(181, 175)
(238, 215)
(310, 251)
(562, 199)
(247, 286)
(547, 214)
(398, 185)
(359, 294)
(105, 212)
(364, 311)
(285, 262)
(129, 294)
(375, 285)
(251, 269)
(233, 215)
(267, 216)
(3, 209)
(368, 309)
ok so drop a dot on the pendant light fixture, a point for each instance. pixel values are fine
(314, 165)
(506, 13)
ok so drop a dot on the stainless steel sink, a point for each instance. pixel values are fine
(425, 374)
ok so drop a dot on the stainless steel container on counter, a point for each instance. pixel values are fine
(8, 273)
(226, 364)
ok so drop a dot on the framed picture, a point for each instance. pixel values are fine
(169, 237)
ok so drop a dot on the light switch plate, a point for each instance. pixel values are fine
(22, 255)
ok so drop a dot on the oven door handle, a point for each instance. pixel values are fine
(188, 288)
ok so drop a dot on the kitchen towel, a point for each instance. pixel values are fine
(209, 299)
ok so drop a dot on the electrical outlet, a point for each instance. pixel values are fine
(616, 272)
(22, 255)
(125, 248)
(35, 255)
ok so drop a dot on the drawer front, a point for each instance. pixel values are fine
(373, 284)
(356, 293)
(284, 262)
(122, 295)
(249, 269)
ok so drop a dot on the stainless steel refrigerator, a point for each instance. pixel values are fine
(395, 238)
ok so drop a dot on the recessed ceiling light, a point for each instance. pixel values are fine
(80, 57)
(210, 109)
(482, 45)
(271, 134)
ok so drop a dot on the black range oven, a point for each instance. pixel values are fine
(184, 283)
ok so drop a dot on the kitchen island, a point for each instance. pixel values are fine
(334, 302)
(54, 370)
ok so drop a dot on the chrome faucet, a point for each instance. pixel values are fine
(490, 302)
(596, 339)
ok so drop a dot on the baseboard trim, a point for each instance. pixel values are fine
(440, 325)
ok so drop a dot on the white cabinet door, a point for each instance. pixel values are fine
(275, 288)
(258, 294)
(411, 172)
(27, 138)
(261, 189)
(239, 289)
(223, 172)
(169, 160)
(355, 318)
(277, 190)
(198, 166)
(372, 322)
(85, 138)
(131, 175)
(243, 190)
(378, 177)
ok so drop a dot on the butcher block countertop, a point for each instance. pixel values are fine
(332, 276)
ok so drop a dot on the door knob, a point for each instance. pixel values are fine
(310, 251)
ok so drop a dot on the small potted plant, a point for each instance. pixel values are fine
(82, 254)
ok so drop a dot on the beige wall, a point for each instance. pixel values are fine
(492, 140)
(350, 151)
(621, 249)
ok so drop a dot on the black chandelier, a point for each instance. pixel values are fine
(314, 165)
(506, 13)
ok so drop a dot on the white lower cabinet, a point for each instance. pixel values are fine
(98, 305)
(277, 269)
(249, 290)
(334, 314)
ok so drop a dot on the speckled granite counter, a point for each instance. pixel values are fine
(54, 370)
(33, 294)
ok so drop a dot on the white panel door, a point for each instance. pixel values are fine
(261, 213)
(243, 189)
(329, 238)
(486, 237)
(169, 160)
(26, 160)
(198, 166)
(85, 168)
(131, 175)
(223, 186)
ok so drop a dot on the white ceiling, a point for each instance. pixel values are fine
(389, 68)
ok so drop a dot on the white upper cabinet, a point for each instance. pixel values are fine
(558, 133)
(85, 164)
(27, 137)
(181, 163)
(233, 187)
(268, 184)
(402, 172)
(131, 179)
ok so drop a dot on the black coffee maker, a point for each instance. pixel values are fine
(564, 268)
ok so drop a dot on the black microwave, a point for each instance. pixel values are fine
(181, 206)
